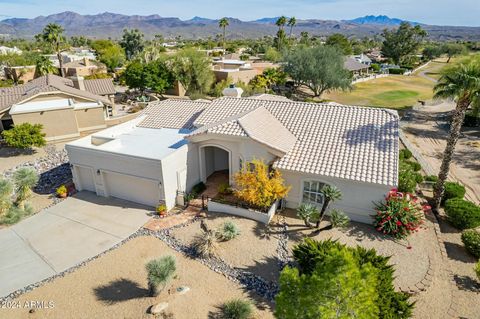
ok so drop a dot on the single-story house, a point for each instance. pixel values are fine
(354, 66)
(83, 67)
(175, 144)
(67, 108)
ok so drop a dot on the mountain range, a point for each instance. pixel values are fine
(111, 25)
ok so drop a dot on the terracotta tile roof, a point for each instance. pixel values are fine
(173, 113)
(46, 83)
(258, 124)
(100, 86)
(349, 142)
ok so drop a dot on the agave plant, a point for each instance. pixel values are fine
(24, 179)
(308, 213)
(338, 218)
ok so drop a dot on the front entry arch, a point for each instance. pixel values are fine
(215, 158)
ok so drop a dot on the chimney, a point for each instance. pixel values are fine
(233, 91)
(86, 61)
(78, 82)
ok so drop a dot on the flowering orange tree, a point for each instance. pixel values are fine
(400, 215)
(258, 186)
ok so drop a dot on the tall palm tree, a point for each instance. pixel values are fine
(291, 23)
(223, 23)
(53, 34)
(330, 194)
(462, 83)
(281, 21)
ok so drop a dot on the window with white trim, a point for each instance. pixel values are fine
(312, 192)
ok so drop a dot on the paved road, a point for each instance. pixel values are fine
(64, 235)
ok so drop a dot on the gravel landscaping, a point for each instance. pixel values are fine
(253, 250)
(114, 286)
(411, 258)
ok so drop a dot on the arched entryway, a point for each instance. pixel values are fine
(215, 164)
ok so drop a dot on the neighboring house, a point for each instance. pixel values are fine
(20, 73)
(362, 58)
(175, 144)
(355, 67)
(7, 50)
(84, 67)
(66, 108)
(234, 70)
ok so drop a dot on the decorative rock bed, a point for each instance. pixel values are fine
(53, 169)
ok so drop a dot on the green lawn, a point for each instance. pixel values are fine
(396, 91)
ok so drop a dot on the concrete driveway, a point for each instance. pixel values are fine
(64, 235)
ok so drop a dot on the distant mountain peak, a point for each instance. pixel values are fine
(380, 19)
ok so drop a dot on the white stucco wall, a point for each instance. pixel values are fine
(106, 162)
(357, 198)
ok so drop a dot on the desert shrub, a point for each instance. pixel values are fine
(339, 219)
(237, 309)
(471, 240)
(399, 216)
(414, 165)
(405, 154)
(453, 190)
(396, 71)
(258, 186)
(25, 135)
(14, 214)
(228, 231)
(407, 178)
(308, 213)
(199, 188)
(431, 178)
(375, 67)
(224, 189)
(477, 269)
(392, 304)
(462, 214)
(205, 244)
(6, 191)
(159, 273)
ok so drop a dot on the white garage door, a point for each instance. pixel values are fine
(85, 178)
(132, 188)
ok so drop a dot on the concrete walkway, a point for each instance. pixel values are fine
(63, 236)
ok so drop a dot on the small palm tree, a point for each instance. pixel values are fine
(330, 194)
(462, 83)
(24, 179)
(291, 23)
(53, 34)
(44, 66)
(223, 23)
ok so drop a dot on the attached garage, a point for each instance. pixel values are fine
(132, 188)
(142, 165)
(85, 179)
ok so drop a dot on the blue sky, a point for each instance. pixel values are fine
(441, 12)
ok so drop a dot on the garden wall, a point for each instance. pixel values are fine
(243, 212)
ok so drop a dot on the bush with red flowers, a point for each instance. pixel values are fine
(400, 214)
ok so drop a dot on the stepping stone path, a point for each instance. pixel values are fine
(169, 221)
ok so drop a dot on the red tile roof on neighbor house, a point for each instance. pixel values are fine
(348, 142)
(53, 83)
